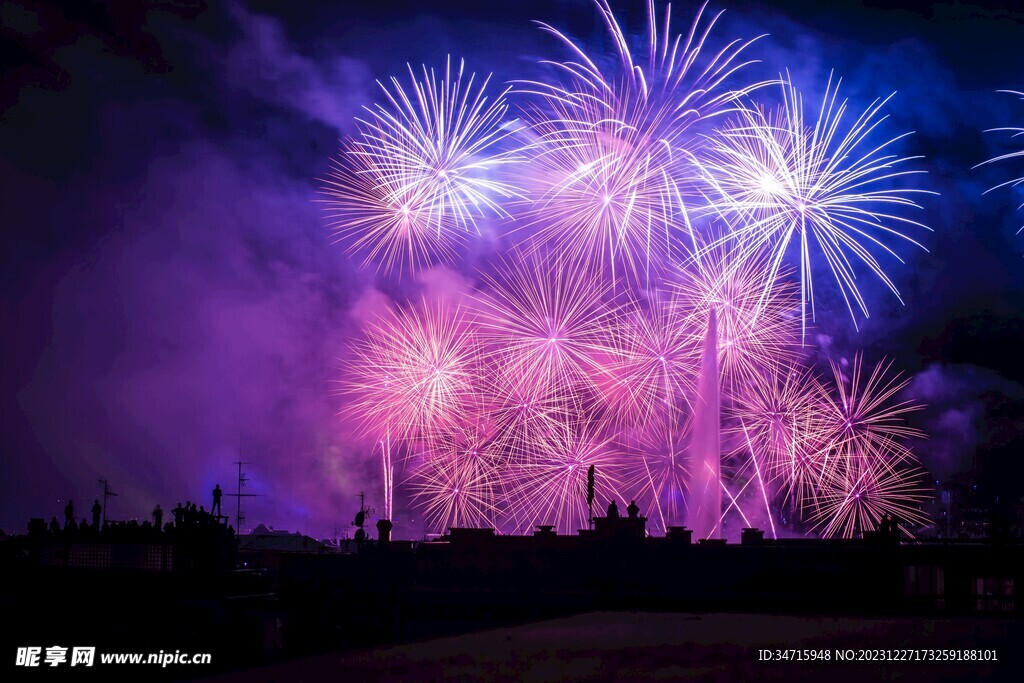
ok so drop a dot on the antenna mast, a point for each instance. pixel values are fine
(238, 495)
(106, 494)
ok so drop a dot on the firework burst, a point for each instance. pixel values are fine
(611, 151)
(580, 346)
(866, 420)
(650, 369)
(872, 472)
(858, 496)
(546, 319)
(655, 471)
(780, 416)
(784, 181)
(458, 479)
(424, 168)
(414, 373)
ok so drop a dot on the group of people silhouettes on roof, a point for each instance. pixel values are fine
(633, 510)
(188, 520)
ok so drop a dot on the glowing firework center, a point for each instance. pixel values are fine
(661, 235)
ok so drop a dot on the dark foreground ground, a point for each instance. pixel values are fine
(646, 646)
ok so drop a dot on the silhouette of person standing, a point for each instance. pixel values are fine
(179, 515)
(69, 514)
(215, 510)
(613, 510)
(633, 510)
(54, 526)
(158, 517)
(96, 510)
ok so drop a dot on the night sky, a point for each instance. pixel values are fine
(169, 293)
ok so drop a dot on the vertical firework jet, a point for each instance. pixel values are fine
(705, 506)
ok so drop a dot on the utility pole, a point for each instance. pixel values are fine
(106, 494)
(238, 495)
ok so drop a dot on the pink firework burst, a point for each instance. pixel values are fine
(459, 480)
(546, 318)
(873, 472)
(780, 415)
(414, 372)
(652, 366)
(655, 470)
(548, 486)
(865, 417)
(859, 495)
(756, 317)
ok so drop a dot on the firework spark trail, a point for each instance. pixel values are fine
(761, 482)
(781, 180)
(733, 503)
(423, 169)
(612, 146)
(387, 463)
(1014, 134)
